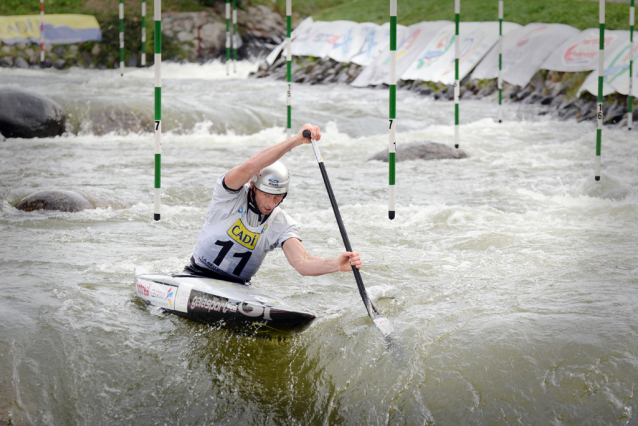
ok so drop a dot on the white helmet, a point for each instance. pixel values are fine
(273, 179)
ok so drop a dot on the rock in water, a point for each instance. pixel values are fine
(25, 114)
(421, 151)
(118, 119)
(65, 201)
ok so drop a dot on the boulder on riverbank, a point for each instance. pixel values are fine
(25, 114)
(55, 199)
(421, 150)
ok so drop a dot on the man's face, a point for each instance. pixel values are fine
(266, 202)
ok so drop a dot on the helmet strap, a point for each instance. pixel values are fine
(252, 206)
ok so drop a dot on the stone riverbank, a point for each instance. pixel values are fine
(556, 92)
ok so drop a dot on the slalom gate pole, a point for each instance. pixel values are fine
(601, 75)
(227, 37)
(158, 107)
(392, 146)
(143, 53)
(500, 61)
(289, 67)
(380, 321)
(235, 36)
(630, 111)
(457, 85)
(122, 37)
(41, 32)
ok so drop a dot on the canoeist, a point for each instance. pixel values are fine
(244, 221)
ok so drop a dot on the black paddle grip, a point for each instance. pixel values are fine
(306, 134)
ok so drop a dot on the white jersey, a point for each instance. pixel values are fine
(228, 244)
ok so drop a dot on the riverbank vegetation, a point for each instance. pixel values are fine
(579, 14)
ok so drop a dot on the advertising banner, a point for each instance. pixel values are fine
(349, 45)
(58, 29)
(524, 51)
(415, 38)
(301, 27)
(320, 38)
(377, 41)
(616, 77)
(580, 53)
(436, 62)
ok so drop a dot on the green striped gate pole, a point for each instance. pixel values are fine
(500, 61)
(392, 147)
(601, 75)
(143, 58)
(158, 107)
(630, 112)
(122, 37)
(289, 66)
(457, 86)
(235, 36)
(227, 37)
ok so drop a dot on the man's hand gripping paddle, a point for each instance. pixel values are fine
(382, 323)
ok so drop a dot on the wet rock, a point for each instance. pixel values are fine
(25, 114)
(64, 201)
(21, 63)
(6, 62)
(60, 51)
(547, 100)
(59, 64)
(131, 62)
(558, 100)
(118, 119)
(46, 63)
(422, 150)
(213, 37)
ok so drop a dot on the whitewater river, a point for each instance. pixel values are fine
(511, 276)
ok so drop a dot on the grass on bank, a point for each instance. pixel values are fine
(579, 14)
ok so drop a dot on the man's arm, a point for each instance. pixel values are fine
(240, 175)
(308, 265)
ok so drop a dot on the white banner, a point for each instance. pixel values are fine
(437, 61)
(616, 77)
(319, 39)
(580, 53)
(524, 51)
(414, 39)
(376, 41)
(349, 45)
(301, 27)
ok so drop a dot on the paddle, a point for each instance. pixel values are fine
(382, 323)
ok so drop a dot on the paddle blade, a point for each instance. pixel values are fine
(384, 325)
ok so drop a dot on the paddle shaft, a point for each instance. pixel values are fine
(372, 311)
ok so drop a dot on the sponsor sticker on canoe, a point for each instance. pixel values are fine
(162, 295)
(181, 299)
(200, 302)
(143, 288)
